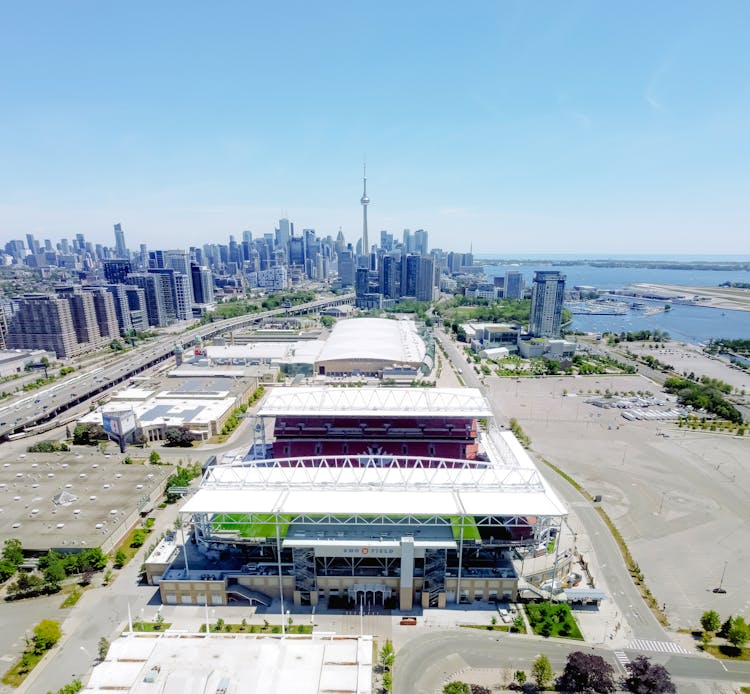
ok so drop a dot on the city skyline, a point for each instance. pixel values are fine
(515, 129)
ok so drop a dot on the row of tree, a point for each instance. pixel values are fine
(703, 396)
(586, 673)
(735, 629)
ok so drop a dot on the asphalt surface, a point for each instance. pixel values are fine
(428, 661)
(620, 586)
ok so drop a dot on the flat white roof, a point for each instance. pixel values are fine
(241, 664)
(375, 402)
(374, 339)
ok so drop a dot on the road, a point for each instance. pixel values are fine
(100, 612)
(46, 404)
(427, 661)
(607, 554)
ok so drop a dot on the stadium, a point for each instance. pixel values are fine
(393, 498)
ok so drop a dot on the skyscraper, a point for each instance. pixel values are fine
(546, 303)
(365, 202)
(121, 250)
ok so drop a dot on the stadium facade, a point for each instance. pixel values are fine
(390, 497)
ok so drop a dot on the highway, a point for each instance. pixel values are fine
(48, 403)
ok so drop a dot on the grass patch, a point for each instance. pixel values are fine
(263, 525)
(257, 629)
(151, 626)
(632, 565)
(21, 668)
(727, 652)
(471, 532)
(128, 547)
(547, 619)
(74, 595)
(489, 627)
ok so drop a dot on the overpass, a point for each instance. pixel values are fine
(42, 407)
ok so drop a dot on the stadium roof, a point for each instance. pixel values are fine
(374, 339)
(375, 402)
(383, 485)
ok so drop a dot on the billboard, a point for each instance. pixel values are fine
(119, 422)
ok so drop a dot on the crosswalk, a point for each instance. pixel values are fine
(658, 646)
(622, 658)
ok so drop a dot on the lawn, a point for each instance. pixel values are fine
(127, 544)
(239, 522)
(471, 532)
(258, 629)
(553, 620)
(151, 626)
(728, 652)
(74, 594)
(21, 668)
(489, 627)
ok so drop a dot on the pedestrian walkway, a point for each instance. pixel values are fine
(622, 658)
(659, 646)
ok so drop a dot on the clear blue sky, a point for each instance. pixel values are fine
(519, 127)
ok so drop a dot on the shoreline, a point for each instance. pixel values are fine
(723, 298)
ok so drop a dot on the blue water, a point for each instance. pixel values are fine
(692, 324)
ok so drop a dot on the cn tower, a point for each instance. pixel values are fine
(365, 202)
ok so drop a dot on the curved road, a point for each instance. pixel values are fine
(427, 661)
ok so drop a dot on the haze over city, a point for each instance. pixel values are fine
(579, 128)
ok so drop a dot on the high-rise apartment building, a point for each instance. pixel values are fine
(45, 321)
(115, 271)
(513, 286)
(122, 309)
(347, 266)
(106, 312)
(547, 293)
(138, 308)
(3, 328)
(151, 285)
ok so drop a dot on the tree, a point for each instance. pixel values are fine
(456, 688)
(387, 681)
(7, 569)
(541, 671)
(54, 573)
(586, 673)
(120, 558)
(387, 655)
(13, 552)
(520, 677)
(739, 632)
(710, 621)
(724, 631)
(103, 648)
(46, 634)
(154, 458)
(178, 437)
(645, 677)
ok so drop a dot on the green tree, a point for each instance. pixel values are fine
(154, 458)
(103, 648)
(120, 558)
(387, 655)
(710, 621)
(520, 677)
(7, 569)
(13, 552)
(456, 688)
(541, 671)
(387, 681)
(46, 634)
(138, 538)
(54, 573)
(739, 632)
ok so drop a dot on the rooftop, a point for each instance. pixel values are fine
(508, 485)
(236, 664)
(378, 339)
(375, 402)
